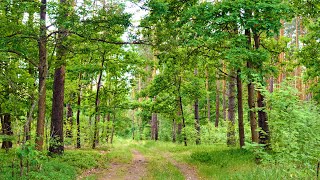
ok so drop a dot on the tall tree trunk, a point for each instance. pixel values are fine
(216, 124)
(27, 126)
(181, 111)
(57, 143)
(262, 115)
(97, 109)
(196, 114)
(240, 109)
(43, 70)
(251, 102)
(7, 131)
(78, 112)
(231, 138)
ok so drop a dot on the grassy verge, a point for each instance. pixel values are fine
(65, 167)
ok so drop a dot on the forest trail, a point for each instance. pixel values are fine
(138, 168)
(121, 171)
(188, 171)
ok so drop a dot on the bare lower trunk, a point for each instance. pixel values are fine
(240, 109)
(69, 121)
(56, 144)
(263, 121)
(174, 130)
(216, 124)
(78, 113)
(251, 104)
(97, 110)
(231, 138)
(7, 131)
(42, 77)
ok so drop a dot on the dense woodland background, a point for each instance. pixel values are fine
(237, 72)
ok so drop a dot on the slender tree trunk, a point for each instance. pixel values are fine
(97, 109)
(216, 124)
(224, 100)
(208, 97)
(113, 121)
(69, 121)
(196, 114)
(78, 112)
(174, 131)
(251, 104)
(240, 109)
(231, 137)
(154, 127)
(6, 130)
(43, 70)
(181, 111)
(27, 126)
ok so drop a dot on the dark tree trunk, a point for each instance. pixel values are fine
(216, 124)
(262, 115)
(174, 131)
(197, 120)
(56, 145)
(196, 114)
(183, 120)
(263, 121)
(69, 121)
(43, 70)
(208, 97)
(78, 113)
(231, 138)
(251, 102)
(7, 131)
(154, 127)
(97, 109)
(107, 129)
(240, 109)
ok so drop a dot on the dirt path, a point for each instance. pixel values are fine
(119, 171)
(138, 167)
(189, 172)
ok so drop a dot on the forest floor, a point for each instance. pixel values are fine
(158, 160)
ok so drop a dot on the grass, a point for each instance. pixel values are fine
(211, 162)
(65, 167)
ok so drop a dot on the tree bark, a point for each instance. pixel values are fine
(97, 109)
(43, 70)
(57, 143)
(69, 121)
(78, 112)
(196, 115)
(7, 131)
(231, 139)
(240, 109)
(251, 102)
(216, 124)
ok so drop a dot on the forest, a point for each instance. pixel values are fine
(159, 89)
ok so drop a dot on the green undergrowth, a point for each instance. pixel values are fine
(64, 167)
(217, 161)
